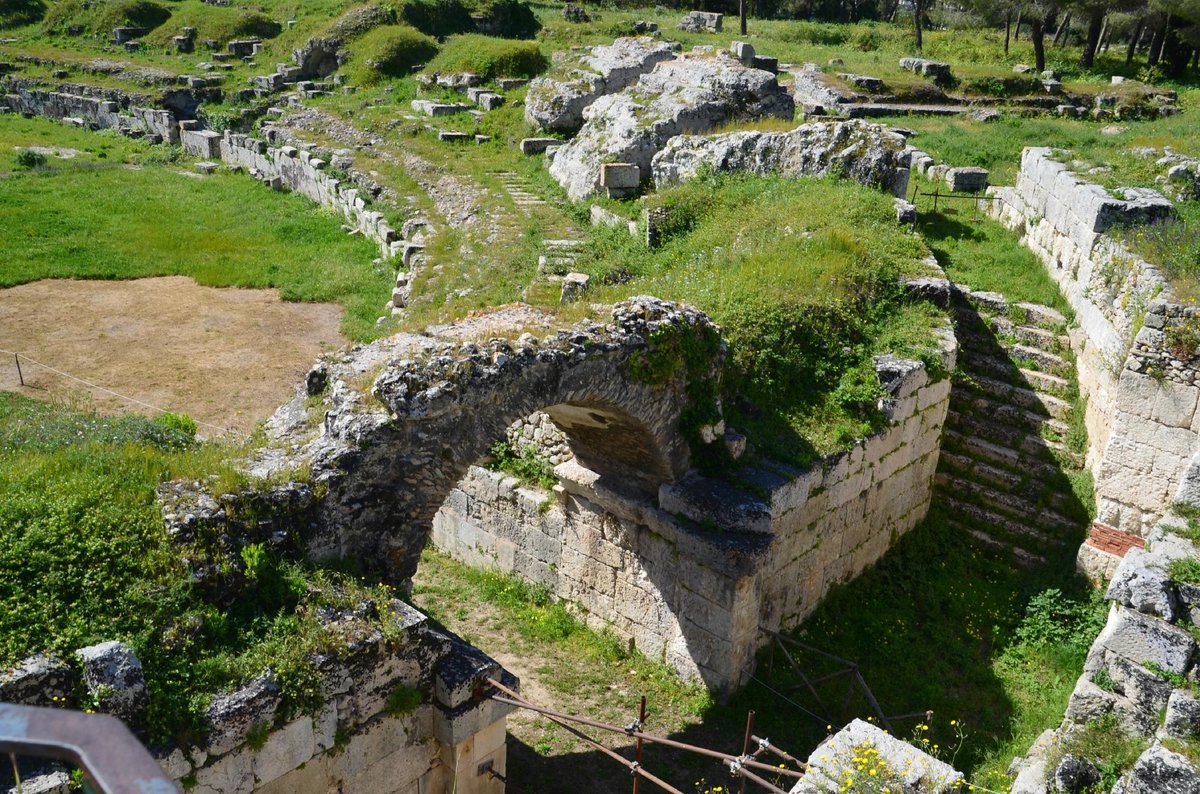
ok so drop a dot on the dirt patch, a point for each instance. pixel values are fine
(227, 357)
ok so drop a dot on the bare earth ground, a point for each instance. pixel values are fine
(227, 357)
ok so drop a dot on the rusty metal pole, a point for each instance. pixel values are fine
(638, 753)
(20, 376)
(746, 745)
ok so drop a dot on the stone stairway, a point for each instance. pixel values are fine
(1003, 475)
(519, 189)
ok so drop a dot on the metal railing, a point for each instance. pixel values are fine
(113, 761)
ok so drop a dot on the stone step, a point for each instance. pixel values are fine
(979, 449)
(983, 406)
(967, 466)
(1046, 383)
(1043, 361)
(1052, 488)
(1003, 528)
(1035, 401)
(563, 243)
(1032, 335)
(1029, 445)
(1013, 504)
(1042, 316)
(1023, 557)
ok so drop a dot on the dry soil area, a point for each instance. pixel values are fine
(227, 357)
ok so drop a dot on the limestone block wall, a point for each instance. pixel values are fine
(108, 111)
(699, 599)
(1141, 387)
(305, 173)
(834, 521)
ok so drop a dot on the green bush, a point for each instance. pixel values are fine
(512, 19)
(99, 17)
(388, 51)
(27, 158)
(438, 18)
(15, 13)
(490, 57)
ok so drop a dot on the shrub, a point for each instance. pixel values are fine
(15, 13)
(27, 158)
(388, 51)
(512, 19)
(490, 57)
(437, 17)
(179, 423)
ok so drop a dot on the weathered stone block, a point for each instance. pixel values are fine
(967, 180)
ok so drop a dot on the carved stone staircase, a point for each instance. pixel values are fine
(1004, 471)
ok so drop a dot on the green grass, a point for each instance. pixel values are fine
(94, 218)
(977, 251)
(799, 377)
(84, 558)
(941, 624)
(388, 51)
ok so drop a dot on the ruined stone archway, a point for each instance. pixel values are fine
(386, 459)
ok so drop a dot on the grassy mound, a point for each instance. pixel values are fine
(437, 17)
(490, 57)
(219, 23)
(84, 558)
(388, 51)
(99, 17)
(803, 277)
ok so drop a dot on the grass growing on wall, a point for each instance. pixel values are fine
(93, 217)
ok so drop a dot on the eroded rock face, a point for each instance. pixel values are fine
(687, 95)
(866, 153)
(557, 102)
(113, 677)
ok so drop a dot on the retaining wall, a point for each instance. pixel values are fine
(699, 599)
(1141, 386)
(109, 110)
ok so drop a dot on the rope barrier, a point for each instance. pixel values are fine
(19, 356)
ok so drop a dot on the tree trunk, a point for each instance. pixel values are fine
(1017, 26)
(1134, 38)
(1105, 34)
(1156, 43)
(1037, 34)
(1064, 30)
(1007, 29)
(1095, 28)
(742, 15)
(918, 12)
(1176, 52)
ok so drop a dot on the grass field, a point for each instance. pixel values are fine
(118, 210)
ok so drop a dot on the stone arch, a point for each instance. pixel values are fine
(387, 462)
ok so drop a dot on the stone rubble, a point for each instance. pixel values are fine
(863, 152)
(688, 95)
(557, 101)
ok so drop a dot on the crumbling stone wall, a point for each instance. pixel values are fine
(110, 110)
(1136, 361)
(697, 599)
(361, 738)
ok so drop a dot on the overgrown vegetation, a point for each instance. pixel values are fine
(524, 463)
(84, 558)
(800, 376)
(99, 17)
